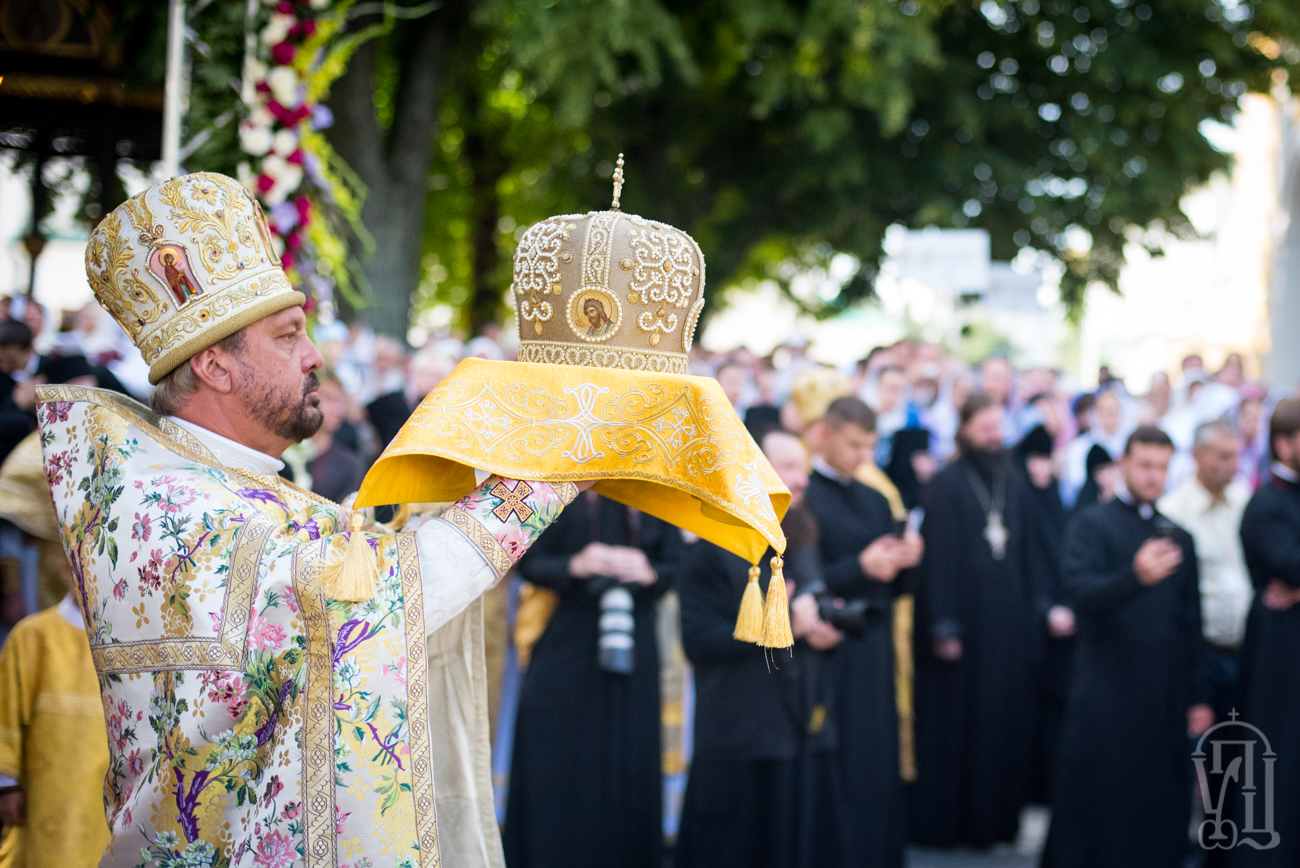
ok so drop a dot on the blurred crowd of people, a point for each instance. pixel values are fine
(1004, 590)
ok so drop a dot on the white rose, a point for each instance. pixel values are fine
(260, 115)
(285, 142)
(245, 176)
(273, 166)
(287, 181)
(254, 70)
(283, 81)
(277, 29)
(290, 179)
(254, 139)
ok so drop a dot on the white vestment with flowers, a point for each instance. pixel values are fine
(252, 721)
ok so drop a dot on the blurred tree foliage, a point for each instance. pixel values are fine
(781, 133)
(778, 132)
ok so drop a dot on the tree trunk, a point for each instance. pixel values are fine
(487, 162)
(393, 163)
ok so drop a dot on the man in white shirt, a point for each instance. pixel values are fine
(1208, 505)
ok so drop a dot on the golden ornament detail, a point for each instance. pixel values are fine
(618, 181)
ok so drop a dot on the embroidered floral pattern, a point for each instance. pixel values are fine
(211, 751)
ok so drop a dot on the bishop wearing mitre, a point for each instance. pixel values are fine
(282, 682)
(257, 716)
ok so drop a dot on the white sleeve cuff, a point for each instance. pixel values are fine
(454, 571)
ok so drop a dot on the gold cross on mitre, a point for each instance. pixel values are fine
(512, 501)
(618, 181)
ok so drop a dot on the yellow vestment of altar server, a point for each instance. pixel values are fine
(53, 742)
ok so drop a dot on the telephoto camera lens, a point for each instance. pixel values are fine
(616, 631)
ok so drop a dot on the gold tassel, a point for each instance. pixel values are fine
(776, 614)
(749, 623)
(353, 578)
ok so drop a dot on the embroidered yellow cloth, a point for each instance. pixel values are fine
(668, 444)
(53, 742)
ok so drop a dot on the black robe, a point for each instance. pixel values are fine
(336, 472)
(1122, 795)
(761, 728)
(1046, 521)
(974, 717)
(387, 414)
(1270, 537)
(851, 516)
(586, 774)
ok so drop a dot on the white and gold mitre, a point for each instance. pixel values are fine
(185, 264)
(608, 290)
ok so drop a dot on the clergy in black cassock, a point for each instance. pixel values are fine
(975, 635)
(1270, 538)
(762, 771)
(585, 775)
(1121, 796)
(861, 560)
(1046, 519)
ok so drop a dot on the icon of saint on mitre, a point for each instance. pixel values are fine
(172, 266)
(594, 315)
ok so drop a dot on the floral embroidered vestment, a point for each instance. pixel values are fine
(252, 720)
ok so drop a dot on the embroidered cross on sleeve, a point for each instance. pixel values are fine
(512, 501)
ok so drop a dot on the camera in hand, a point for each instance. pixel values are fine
(850, 617)
(616, 625)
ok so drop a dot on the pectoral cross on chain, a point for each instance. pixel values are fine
(995, 532)
(512, 501)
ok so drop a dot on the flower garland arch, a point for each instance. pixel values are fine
(294, 51)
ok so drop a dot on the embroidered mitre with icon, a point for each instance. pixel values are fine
(607, 305)
(185, 264)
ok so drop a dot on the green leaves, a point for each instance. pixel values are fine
(779, 132)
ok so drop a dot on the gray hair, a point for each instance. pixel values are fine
(1206, 432)
(174, 390)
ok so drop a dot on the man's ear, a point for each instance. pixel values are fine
(215, 369)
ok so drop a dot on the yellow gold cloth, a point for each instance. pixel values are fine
(53, 742)
(25, 493)
(667, 444)
(25, 501)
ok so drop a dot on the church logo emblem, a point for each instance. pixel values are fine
(1234, 774)
(172, 267)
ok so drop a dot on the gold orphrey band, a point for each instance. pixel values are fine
(553, 353)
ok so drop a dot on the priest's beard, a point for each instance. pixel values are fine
(285, 412)
(988, 463)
